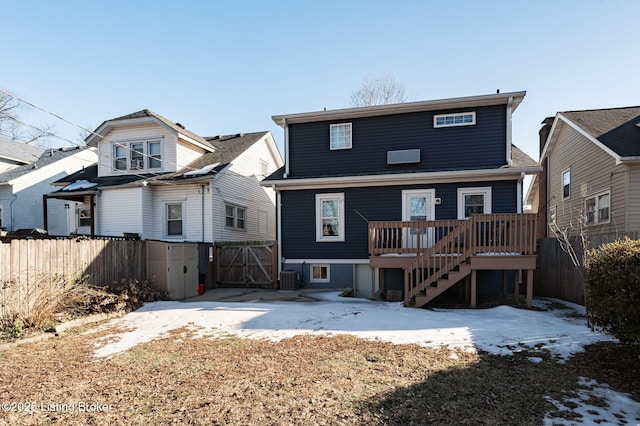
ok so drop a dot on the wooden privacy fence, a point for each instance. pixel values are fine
(42, 261)
(557, 276)
(246, 264)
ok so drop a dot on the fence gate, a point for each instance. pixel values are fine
(247, 264)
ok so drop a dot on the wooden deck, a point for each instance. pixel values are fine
(437, 254)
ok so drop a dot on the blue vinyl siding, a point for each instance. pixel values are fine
(368, 204)
(480, 146)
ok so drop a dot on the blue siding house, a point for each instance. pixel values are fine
(412, 198)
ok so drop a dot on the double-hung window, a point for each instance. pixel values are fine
(236, 217)
(330, 217)
(340, 136)
(174, 214)
(473, 201)
(138, 155)
(598, 208)
(566, 184)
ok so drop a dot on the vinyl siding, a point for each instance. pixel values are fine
(592, 171)
(192, 211)
(137, 132)
(24, 208)
(120, 211)
(186, 153)
(633, 212)
(480, 146)
(369, 204)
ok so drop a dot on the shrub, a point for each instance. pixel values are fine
(612, 276)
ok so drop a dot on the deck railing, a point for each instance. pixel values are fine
(501, 233)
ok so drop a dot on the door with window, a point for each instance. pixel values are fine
(418, 205)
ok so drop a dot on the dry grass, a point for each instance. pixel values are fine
(44, 303)
(302, 380)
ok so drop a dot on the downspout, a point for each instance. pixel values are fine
(202, 210)
(15, 197)
(286, 148)
(279, 226)
(520, 201)
(509, 142)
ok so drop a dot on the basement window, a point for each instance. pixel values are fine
(319, 273)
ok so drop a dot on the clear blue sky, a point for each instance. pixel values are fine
(222, 67)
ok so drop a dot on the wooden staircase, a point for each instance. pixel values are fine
(439, 267)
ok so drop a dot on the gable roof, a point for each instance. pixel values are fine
(19, 152)
(145, 115)
(227, 148)
(615, 130)
(47, 157)
(513, 98)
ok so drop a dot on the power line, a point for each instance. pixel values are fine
(116, 143)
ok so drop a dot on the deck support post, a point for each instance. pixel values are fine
(374, 274)
(529, 287)
(473, 288)
(516, 288)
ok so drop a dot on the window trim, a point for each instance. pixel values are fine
(350, 141)
(562, 185)
(596, 213)
(321, 266)
(166, 219)
(236, 208)
(455, 114)
(484, 190)
(320, 238)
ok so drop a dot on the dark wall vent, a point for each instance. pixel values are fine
(405, 156)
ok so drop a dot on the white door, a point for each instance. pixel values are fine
(418, 205)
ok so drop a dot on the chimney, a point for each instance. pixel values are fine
(544, 131)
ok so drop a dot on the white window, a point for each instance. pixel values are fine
(457, 119)
(139, 155)
(320, 273)
(473, 201)
(174, 219)
(236, 217)
(330, 217)
(340, 136)
(597, 208)
(566, 184)
(84, 216)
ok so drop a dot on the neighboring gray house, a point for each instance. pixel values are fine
(26, 174)
(591, 177)
(160, 181)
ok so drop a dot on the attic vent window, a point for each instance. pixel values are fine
(453, 120)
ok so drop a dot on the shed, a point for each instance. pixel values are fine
(173, 267)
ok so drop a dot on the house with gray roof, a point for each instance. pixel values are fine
(14, 154)
(159, 181)
(26, 175)
(591, 177)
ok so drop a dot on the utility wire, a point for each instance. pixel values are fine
(92, 133)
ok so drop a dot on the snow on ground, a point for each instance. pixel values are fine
(503, 330)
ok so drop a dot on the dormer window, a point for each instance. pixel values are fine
(139, 155)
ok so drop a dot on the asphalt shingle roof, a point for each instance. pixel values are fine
(47, 157)
(19, 151)
(614, 127)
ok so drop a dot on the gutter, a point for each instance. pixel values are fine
(403, 178)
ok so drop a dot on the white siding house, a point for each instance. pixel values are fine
(22, 189)
(162, 182)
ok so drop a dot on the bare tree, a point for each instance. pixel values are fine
(11, 125)
(378, 91)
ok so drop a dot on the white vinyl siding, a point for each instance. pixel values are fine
(114, 219)
(186, 153)
(592, 171)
